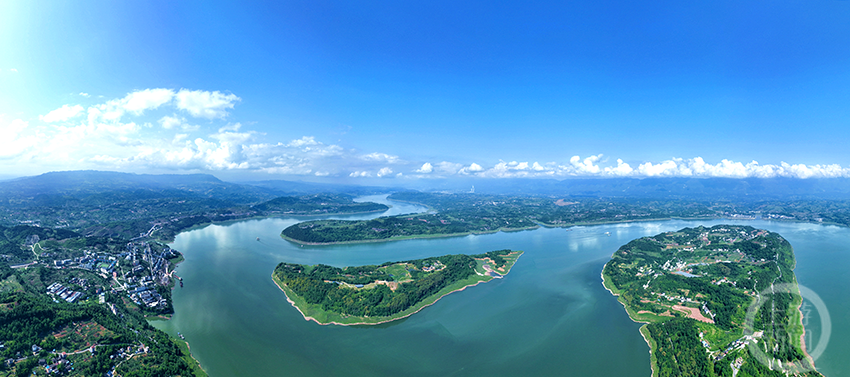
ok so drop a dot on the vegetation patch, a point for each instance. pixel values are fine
(693, 288)
(361, 295)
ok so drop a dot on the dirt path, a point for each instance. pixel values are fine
(694, 313)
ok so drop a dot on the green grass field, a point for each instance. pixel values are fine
(398, 271)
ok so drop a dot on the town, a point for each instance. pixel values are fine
(135, 271)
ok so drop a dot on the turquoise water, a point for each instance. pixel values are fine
(549, 316)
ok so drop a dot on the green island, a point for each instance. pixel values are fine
(711, 301)
(370, 295)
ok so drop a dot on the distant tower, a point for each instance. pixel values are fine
(472, 191)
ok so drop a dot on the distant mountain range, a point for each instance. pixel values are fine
(54, 188)
(51, 189)
(659, 188)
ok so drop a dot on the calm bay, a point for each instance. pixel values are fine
(549, 316)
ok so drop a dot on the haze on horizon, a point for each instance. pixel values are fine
(387, 92)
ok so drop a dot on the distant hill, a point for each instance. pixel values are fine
(307, 188)
(112, 204)
(58, 188)
(657, 188)
(54, 187)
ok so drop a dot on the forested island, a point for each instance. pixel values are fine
(693, 289)
(463, 214)
(368, 295)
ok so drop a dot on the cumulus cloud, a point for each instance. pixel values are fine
(108, 136)
(425, 169)
(622, 169)
(172, 122)
(513, 169)
(84, 94)
(471, 169)
(62, 114)
(360, 174)
(139, 101)
(587, 166)
(593, 166)
(381, 157)
(203, 104)
(169, 122)
(13, 70)
(120, 134)
(303, 141)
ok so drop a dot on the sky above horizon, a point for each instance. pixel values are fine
(362, 92)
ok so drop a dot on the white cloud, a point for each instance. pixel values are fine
(62, 114)
(588, 166)
(84, 94)
(171, 122)
(13, 70)
(168, 122)
(425, 169)
(15, 140)
(136, 103)
(676, 167)
(471, 169)
(139, 101)
(118, 134)
(381, 157)
(667, 168)
(449, 167)
(622, 169)
(203, 104)
(305, 140)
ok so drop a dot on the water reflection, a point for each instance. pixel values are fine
(549, 315)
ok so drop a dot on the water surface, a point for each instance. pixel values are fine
(549, 316)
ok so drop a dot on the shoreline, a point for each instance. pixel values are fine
(648, 338)
(617, 295)
(803, 335)
(256, 217)
(644, 333)
(406, 238)
(308, 318)
(279, 285)
(537, 226)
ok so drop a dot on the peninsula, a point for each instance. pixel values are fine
(712, 303)
(370, 295)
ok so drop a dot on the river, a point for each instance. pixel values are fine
(549, 316)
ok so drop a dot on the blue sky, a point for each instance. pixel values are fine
(395, 91)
